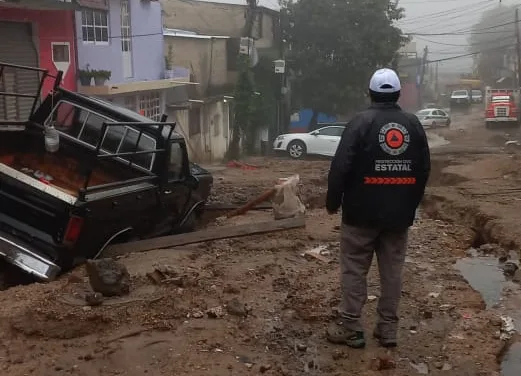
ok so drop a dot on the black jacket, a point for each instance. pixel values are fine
(380, 169)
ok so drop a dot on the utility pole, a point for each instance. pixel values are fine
(518, 49)
(436, 82)
(421, 75)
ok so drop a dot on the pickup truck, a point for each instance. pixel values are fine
(460, 99)
(81, 173)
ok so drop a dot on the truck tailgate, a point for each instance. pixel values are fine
(24, 203)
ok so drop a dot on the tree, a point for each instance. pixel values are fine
(335, 46)
(491, 38)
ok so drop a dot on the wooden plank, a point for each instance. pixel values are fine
(225, 207)
(250, 205)
(217, 233)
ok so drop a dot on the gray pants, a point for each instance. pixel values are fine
(357, 246)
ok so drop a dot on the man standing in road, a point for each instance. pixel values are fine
(378, 176)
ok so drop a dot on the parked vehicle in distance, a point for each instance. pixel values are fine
(81, 174)
(430, 105)
(477, 96)
(433, 117)
(460, 99)
(501, 110)
(323, 141)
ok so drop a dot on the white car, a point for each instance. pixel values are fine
(322, 141)
(433, 117)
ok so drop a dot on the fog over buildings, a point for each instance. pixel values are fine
(453, 19)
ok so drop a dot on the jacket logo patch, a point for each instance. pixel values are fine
(394, 138)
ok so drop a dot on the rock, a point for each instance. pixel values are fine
(503, 257)
(517, 276)
(421, 368)
(371, 298)
(438, 365)
(94, 298)
(264, 367)
(197, 315)
(230, 289)
(301, 347)
(215, 312)
(510, 268)
(446, 367)
(235, 308)
(108, 277)
(488, 248)
(383, 362)
(427, 315)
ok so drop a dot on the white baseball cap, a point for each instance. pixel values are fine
(385, 81)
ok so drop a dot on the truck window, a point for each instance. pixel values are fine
(85, 125)
(66, 118)
(145, 143)
(91, 130)
(113, 137)
(175, 162)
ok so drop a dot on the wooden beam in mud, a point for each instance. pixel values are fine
(216, 233)
(226, 207)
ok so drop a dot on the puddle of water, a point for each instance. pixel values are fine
(511, 363)
(483, 273)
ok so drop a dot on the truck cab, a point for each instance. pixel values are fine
(501, 110)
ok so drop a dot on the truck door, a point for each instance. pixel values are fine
(175, 193)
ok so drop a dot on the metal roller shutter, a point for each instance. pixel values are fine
(16, 47)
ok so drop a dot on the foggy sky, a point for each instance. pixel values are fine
(423, 16)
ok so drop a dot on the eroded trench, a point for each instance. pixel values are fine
(491, 260)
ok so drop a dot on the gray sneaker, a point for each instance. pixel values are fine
(338, 334)
(385, 341)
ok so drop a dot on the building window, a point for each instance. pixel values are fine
(61, 53)
(150, 105)
(130, 103)
(126, 41)
(95, 26)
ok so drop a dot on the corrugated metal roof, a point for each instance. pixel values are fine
(190, 34)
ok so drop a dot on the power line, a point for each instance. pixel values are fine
(462, 31)
(428, 1)
(441, 23)
(461, 56)
(444, 13)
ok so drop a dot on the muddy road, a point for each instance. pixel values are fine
(256, 305)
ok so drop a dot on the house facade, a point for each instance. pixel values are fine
(121, 54)
(203, 113)
(209, 18)
(36, 34)
(205, 37)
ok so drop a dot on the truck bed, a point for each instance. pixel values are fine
(65, 170)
